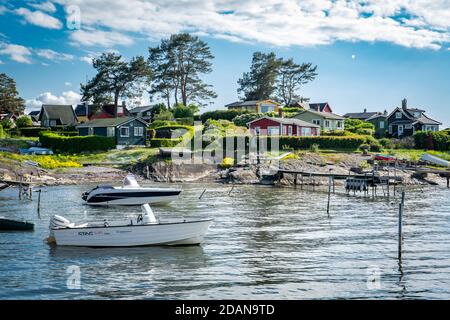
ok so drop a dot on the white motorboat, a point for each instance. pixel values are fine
(140, 230)
(130, 194)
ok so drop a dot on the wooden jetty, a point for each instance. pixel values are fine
(25, 186)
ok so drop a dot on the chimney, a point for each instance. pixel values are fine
(86, 107)
(385, 112)
(280, 113)
(120, 109)
(365, 110)
(404, 104)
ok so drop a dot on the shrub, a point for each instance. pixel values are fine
(76, 144)
(167, 143)
(32, 132)
(432, 140)
(314, 147)
(365, 131)
(338, 133)
(164, 115)
(222, 114)
(181, 111)
(52, 162)
(161, 123)
(24, 121)
(387, 143)
(2, 133)
(166, 132)
(227, 163)
(151, 133)
(185, 121)
(292, 109)
(243, 119)
(7, 123)
(290, 156)
(404, 143)
(353, 125)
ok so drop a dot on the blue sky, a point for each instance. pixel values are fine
(368, 56)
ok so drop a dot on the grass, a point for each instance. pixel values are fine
(414, 155)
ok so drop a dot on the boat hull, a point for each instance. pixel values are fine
(180, 233)
(13, 225)
(127, 197)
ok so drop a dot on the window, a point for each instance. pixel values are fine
(266, 108)
(52, 123)
(110, 131)
(316, 122)
(257, 130)
(400, 130)
(273, 131)
(138, 131)
(339, 124)
(290, 131)
(284, 130)
(327, 124)
(306, 132)
(417, 114)
(390, 129)
(124, 132)
(381, 124)
(408, 126)
(398, 115)
(91, 131)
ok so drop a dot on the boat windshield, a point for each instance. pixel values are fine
(130, 182)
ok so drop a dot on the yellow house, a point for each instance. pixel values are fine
(256, 106)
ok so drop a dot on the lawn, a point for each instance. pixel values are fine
(414, 155)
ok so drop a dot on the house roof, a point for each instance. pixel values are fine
(64, 113)
(319, 106)
(360, 115)
(34, 113)
(140, 109)
(292, 121)
(109, 122)
(377, 115)
(249, 103)
(326, 115)
(80, 109)
(425, 120)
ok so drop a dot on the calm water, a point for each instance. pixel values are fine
(265, 243)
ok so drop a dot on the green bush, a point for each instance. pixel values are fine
(365, 132)
(387, 143)
(33, 131)
(222, 115)
(24, 121)
(353, 125)
(181, 111)
(164, 132)
(161, 123)
(167, 143)
(2, 133)
(432, 140)
(292, 109)
(76, 144)
(243, 119)
(164, 115)
(151, 133)
(185, 121)
(7, 123)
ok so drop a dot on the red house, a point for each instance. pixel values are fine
(283, 126)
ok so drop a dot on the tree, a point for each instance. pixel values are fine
(181, 111)
(7, 123)
(178, 64)
(165, 115)
(24, 121)
(10, 102)
(259, 83)
(291, 76)
(116, 79)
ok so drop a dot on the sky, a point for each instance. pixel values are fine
(369, 54)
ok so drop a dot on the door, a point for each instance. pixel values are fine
(400, 130)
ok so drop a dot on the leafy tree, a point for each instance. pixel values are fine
(245, 118)
(24, 121)
(9, 96)
(291, 76)
(181, 111)
(260, 82)
(358, 126)
(178, 63)
(116, 79)
(7, 123)
(164, 115)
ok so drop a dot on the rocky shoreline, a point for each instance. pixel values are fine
(175, 172)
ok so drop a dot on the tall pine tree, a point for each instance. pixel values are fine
(10, 102)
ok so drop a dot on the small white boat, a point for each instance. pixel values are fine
(435, 160)
(130, 194)
(141, 230)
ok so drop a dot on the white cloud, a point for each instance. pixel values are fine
(16, 52)
(3, 10)
(419, 23)
(68, 84)
(39, 18)
(44, 6)
(53, 55)
(99, 38)
(1, 62)
(67, 97)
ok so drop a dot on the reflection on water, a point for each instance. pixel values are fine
(265, 243)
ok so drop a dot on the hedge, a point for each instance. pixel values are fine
(32, 131)
(2, 133)
(76, 144)
(432, 140)
(222, 115)
(189, 129)
(167, 143)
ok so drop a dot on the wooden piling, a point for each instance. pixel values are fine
(329, 195)
(400, 222)
(202, 194)
(39, 203)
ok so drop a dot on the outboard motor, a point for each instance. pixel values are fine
(55, 223)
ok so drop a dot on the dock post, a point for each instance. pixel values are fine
(329, 195)
(39, 203)
(295, 180)
(301, 181)
(448, 182)
(334, 186)
(400, 222)
(202, 194)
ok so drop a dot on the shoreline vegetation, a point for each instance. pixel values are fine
(145, 162)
